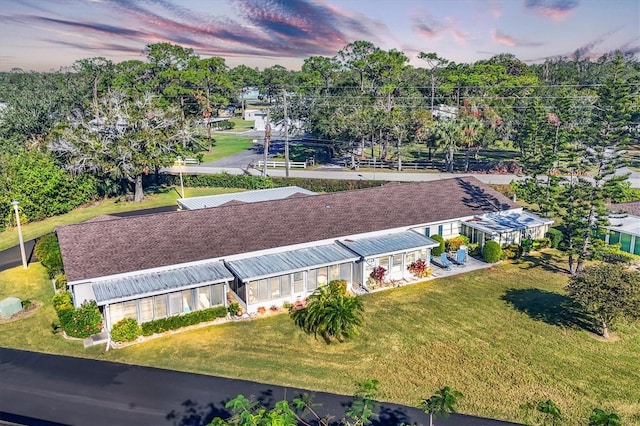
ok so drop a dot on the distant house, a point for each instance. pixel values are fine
(266, 253)
(250, 114)
(624, 226)
(445, 112)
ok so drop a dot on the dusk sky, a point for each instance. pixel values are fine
(44, 35)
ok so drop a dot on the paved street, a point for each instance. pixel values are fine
(41, 389)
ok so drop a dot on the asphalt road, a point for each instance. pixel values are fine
(41, 389)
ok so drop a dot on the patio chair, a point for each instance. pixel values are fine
(461, 257)
(446, 263)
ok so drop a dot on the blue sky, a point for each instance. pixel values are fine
(45, 35)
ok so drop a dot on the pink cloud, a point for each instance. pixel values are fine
(502, 38)
(554, 9)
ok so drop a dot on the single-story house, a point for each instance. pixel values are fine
(207, 201)
(624, 229)
(270, 252)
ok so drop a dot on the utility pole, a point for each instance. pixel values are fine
(286, 134)
(267, 138)
(20, 239)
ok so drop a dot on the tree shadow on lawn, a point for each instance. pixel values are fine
(552, 308)
(547, 261)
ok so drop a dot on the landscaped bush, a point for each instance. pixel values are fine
(454, 243)
(541, 243)
(436, 251)
(338, 286)
(491, 252)
(233, 309)
(378, 274)
(61, 281)
(85, 321)
(47, 250)
(512, 251)
(63, 305)
(126, 330)
(420, 269)
(258, 182)
(175, 322)
(555, 236)
(474, 249)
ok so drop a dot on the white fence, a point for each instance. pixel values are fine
(274, 164)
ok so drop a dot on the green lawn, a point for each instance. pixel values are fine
(226, 144)
(160, 198)
(499, 336)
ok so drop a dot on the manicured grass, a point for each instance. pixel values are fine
(162, 197)
(226, 144)
(500, 336)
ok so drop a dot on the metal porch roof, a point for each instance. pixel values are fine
(125, 288)
(497, 223)
(290, 261)
(206, 201)
(390, 243)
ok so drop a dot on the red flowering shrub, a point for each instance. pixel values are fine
(378, 274)
(419, 268)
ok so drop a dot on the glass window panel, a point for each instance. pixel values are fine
(625, 242)
(285, 285)
(116, 313)
(217, 295)
(146, 309)
(384, 262)
(345, 272)
(312, 280)
(160, 306)
(263, 289)
(334, 272)
(322, 276)
(253, 291)
(187, 301)
(411, 257)
(397, 263)
(131, 309)
(614, 238)
(274, 287)
(422, 254)
(636, 248)
(175, 303)
(204, 299)
(298, 282)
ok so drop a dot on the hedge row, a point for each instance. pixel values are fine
(81, 322)
(225, 180)
(179, 321)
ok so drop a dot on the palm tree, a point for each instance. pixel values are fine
(602, 418)
(330, 313)
(441, 403)
(471, 128)
(448, 135)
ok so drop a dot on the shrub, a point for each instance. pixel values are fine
(541, 243)
(454, 243)
(436, 251)
(512, 251)
(420, 269)
(85, 321)
(526, 246)
(26, 303)
(474, 249)
(63, 305)
(126, 330)
(491, 252)
(339, 286)
(185, 320)
(47, 250)
(61, 281)
(233, 309)
(378, 274)
(555, 236)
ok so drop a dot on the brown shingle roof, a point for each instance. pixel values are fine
(631, 208)
(103, 248)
